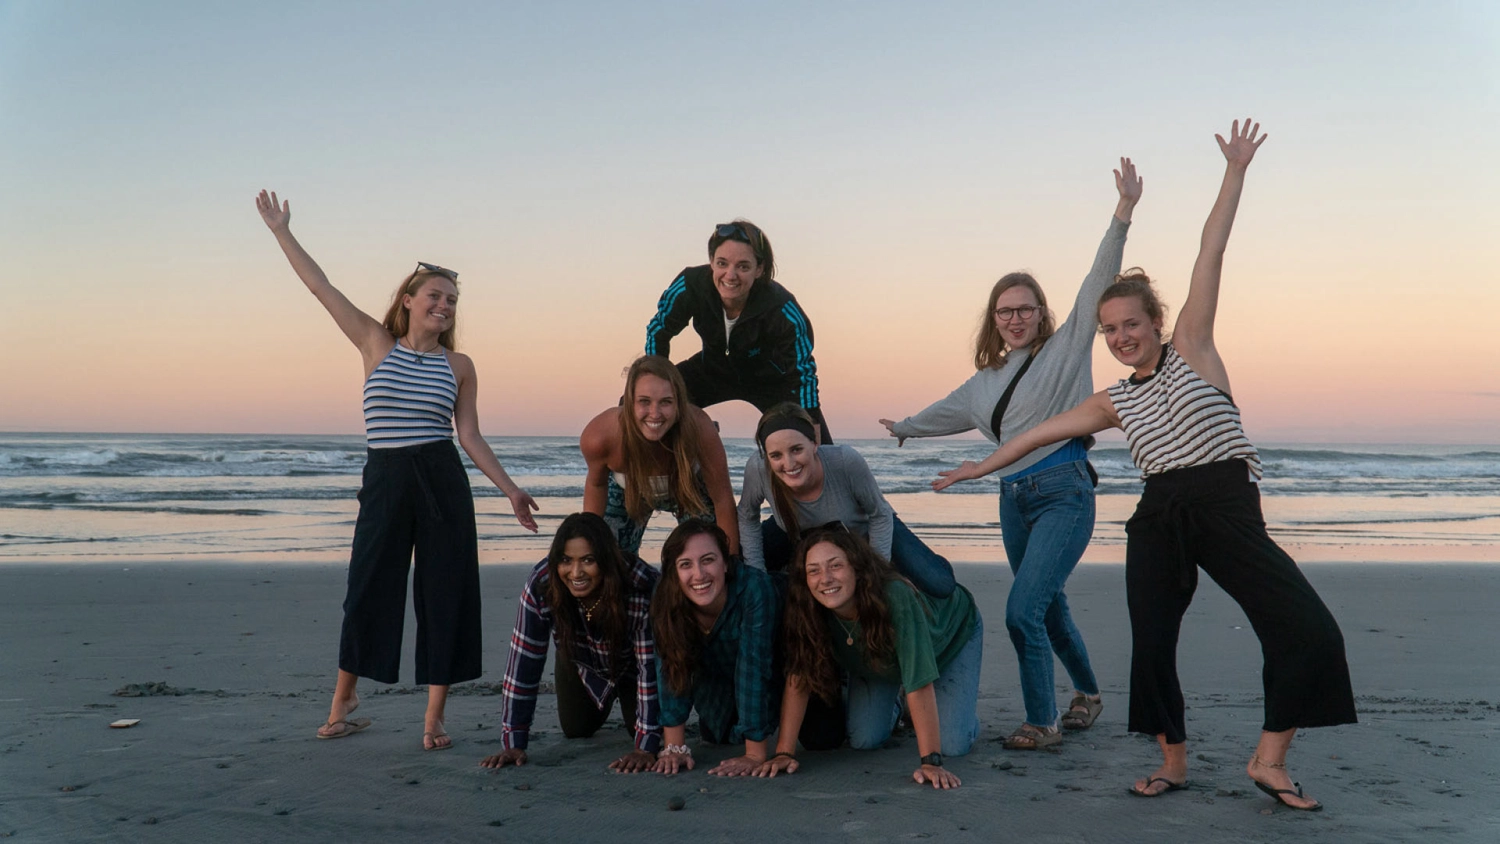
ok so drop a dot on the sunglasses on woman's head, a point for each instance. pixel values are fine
(734, 231)
(434, 268)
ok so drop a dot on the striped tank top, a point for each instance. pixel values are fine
(409, 399)
(1174, 419)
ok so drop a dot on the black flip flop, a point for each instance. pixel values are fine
(1295, 790)
(1171, 786)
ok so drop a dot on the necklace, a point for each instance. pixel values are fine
(588, 611)
(421, 353)
(848, 629)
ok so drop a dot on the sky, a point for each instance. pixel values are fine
(570, 158)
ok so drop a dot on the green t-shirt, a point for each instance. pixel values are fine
(929, 634)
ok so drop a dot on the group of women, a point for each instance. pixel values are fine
(830, 620)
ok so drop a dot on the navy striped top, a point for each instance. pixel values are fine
(1174, 419)
(409, 399)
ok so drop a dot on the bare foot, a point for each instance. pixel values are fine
(1272, 778)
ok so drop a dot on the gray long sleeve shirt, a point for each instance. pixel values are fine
(1061, 378)
(850, 495)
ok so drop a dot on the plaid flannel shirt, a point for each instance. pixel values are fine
(734, 682)
(528, 658)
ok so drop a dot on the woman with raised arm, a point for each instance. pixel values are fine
(715, 621)
(593, 601)
(811, 485)
(656, 451)
(1028, 371)
(1200, 508)
(415, 493)
(848, 609)
(757, 341)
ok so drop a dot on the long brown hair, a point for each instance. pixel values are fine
(610, 616)
(682, 441)
(809, 654)
(989, 347)
(679, 639)
(398, 317)
(781, 497)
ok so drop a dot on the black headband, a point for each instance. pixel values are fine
(784, 423)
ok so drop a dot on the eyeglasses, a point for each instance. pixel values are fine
(1025, 312)
(434, 268)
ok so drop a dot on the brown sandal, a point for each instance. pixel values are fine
(1081, 713)
(1027, 737)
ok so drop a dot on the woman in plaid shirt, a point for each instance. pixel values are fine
(594, 601)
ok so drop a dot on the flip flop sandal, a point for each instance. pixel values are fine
(347, 727)
(1171, 786)
(1295, 791)
(433, 737)
(1027, 737)
(1081, 713)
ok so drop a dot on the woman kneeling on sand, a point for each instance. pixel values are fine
(847, 608)
(594, 602)
(1201, 508)
(656, 452)
(715, 620)
(415, 493)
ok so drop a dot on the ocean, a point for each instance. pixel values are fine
(122, 497)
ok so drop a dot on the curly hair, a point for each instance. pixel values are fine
(682, 441)
(1134, 283)
(610, 616)
(679, 639)
(809, 653)
(989, 347)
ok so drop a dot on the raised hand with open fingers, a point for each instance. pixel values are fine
(1127, 182)
(1242, 143)
(277, 215)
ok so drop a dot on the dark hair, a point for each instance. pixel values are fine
(679, 639)
(781, 497)
(682, 441)
(809, 655)
(398, 316)
(989, 346)
(750, 235)
(1134, 283)
(611, 617)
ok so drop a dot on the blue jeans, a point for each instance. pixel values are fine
(1046, 520)
(874, 705)
(926, 569)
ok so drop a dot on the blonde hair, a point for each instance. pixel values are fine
(398, 316)
(682, 441)
(989, 347)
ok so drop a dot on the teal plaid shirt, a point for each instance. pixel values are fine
(736, 678)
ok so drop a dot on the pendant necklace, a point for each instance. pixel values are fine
(588, 612)
(421, 356)
(848, 630)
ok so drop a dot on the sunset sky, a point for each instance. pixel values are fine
(570, 158)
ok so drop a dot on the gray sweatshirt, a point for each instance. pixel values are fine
(850, 495)
(1061, 378)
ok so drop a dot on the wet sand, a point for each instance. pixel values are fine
(236, 661)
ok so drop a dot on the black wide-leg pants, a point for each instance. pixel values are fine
(1209, 517)
(414, 498)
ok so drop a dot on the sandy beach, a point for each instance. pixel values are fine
(234, 663)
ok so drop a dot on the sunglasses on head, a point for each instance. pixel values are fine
(734, 231)
(434, 268)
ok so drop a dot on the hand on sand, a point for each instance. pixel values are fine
(968, 471)
(278, 215)
(1242, 143)
(522, 503)
(634, 762)
(938, 777)
(890, 428)
(513, 756)
(777, 765)
(739, 766)
(671, 763)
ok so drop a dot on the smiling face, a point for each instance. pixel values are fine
(735, 270)
(578, 568)
(433, 306)
(1024, 316)
(1133, 337)
(831, 579)
(655, 408)
(793, 459)
(701, 572)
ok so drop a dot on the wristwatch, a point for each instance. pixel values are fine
(933, 759)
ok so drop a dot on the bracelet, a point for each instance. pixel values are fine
(780, 753)
(681, 749)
